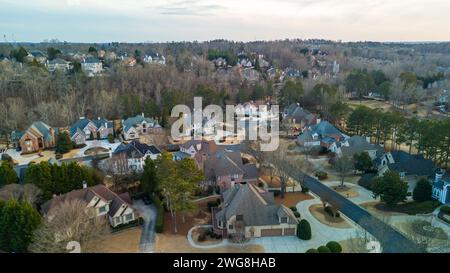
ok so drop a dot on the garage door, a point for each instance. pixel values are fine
(289, 231)
(271, 232)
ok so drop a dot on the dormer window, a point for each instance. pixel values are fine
(240, 217)
(283, 220)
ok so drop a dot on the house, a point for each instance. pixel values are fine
(37, 137)
(292, 73)
(139, 125)
(85, 129)
(226, 169)
(220, 62)
(296, 116)
(410, 167)
(251, 212)
(117, 208)
(91, 66)
(356, 145)
(322, 134)
(179, 155)
(37, 55)
(155, 58)
(405, 164)
(441, 187)
(135, 153)
(58, 64)
(129, 61)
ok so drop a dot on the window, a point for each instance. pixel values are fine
(129, 217)
(240, 217)
(230, 227)
(102, 209)
(284, 220)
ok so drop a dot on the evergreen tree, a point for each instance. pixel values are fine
(390, 188)
(423, 190)
(63, 143)
(7, 173)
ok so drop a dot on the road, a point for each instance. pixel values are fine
(391, 240)
(148, 213)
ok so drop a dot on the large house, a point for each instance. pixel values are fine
(322, 134)
(135, 154)
(296, 116)
(248, 211)
(155, 58)
(85, 129)
(118, 208)
(37, 55)
(37, 137)
(58, 64)
(356, 145)
(91, 66)
(139, 125)
(441, 187)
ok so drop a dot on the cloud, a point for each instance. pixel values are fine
(189, 8)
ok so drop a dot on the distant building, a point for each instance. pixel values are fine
(135, 153)
(139, 125)
(85, 129)
(91, 66)
(37, 55)
(296, 116)
(322, 134)
(58, 64)
(356, 145)
(155, 58)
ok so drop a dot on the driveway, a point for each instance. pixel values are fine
(364, 195)
(148, 213)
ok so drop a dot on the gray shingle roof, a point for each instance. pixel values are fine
(136, 149)
(249, 201)
(412, 164)
(130, 122)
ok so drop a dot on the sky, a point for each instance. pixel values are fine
(239, 20)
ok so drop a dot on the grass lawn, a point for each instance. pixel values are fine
(126, 241)
(410, 208)
(291, 199)
(346, 191)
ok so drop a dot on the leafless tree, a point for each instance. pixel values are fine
(28, 193)
(70, 221)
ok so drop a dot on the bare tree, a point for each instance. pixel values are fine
(343, 167)
(71, 221)
(28, 193)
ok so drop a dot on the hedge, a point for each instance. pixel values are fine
(304, 230)
(293, 208)
(312, 250)
(445, 209)
(159, 225)
(334, 246)
(323, 249)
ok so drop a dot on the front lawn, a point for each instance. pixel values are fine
(411, 208)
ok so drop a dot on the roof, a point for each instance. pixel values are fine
(412, 164)
(38, 54)
(133, 121)
(91, 60)
(41, 128)
(58, 61)
(115, 201)
(222, 164)
(324, 128)
(181, 155)
(136, 149)
(358, 144)
(256, 206)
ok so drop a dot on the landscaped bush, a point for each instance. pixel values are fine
(312, 250)
(297, 214)
(323, 249)
(329, 211)
(110, 138)
(213, 204)
(305, 189)
(58, 156)
(335, 247)
(304, 230)
(321, 175)
(445, 209)
(201, 237)
(293, 208)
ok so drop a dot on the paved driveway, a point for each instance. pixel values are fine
(148, 213)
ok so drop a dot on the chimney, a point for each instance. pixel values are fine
(98, 118)
(84, 185)
(439, 174)
(143, 115)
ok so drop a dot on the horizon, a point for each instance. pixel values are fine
(162, 21)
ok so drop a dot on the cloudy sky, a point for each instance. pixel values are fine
(246, 20)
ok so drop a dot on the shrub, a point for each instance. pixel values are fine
(329, 211)
(213, 204)
(110, 138)
(202, 237)
(7, 157)
(323, 249)
(335, 247)
(445, 209)
(58, 156)
(305, 189)
(304, 230)
(293, 208)
(423, 190)
(297, 214)
(312, 250)
(321, 175)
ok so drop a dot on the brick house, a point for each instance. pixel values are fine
(39, 136)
